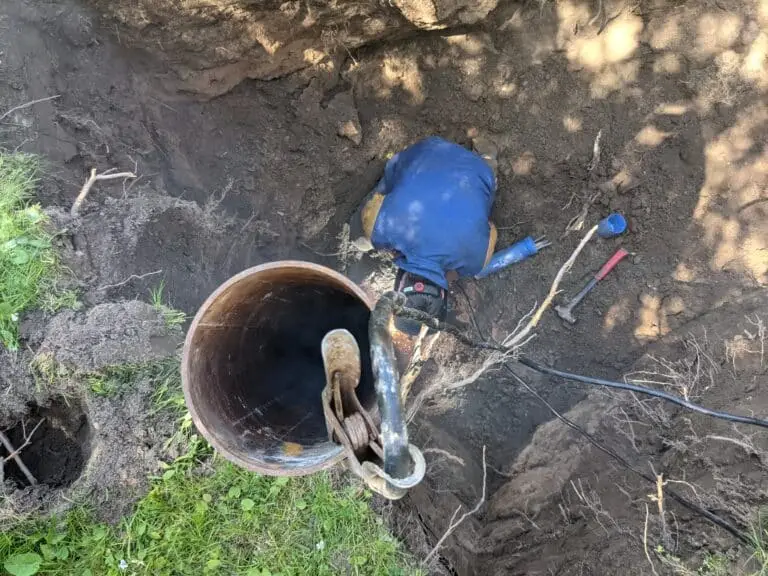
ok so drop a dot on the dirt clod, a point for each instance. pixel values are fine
(110, 335)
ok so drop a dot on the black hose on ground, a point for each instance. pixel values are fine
(470, 341)
(643, 390)
(461, 335)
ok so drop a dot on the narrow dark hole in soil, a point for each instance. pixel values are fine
(58, 448)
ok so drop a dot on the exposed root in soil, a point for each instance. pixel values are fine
(27, 105)
(455, 523)
(92, 179)
(13, 453)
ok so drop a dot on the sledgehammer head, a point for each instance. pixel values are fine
(565, 312)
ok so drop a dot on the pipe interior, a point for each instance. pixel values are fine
(256, 370)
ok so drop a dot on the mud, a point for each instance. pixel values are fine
(272, 169)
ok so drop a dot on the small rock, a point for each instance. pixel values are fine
(351, 130)
(343, 111)
(486, 148)
(474, 91)
(625, 181)
(674, 305)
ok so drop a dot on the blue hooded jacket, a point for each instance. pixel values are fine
(438, 199)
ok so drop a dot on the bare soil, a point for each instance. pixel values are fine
(272, 167)
(88, 446)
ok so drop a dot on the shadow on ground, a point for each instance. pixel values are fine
(271, 169)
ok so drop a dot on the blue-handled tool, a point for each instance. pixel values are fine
(518, 252)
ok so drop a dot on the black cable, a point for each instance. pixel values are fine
(470, 310)
(735, 532)
(462, 336)
(670, 493)
(457, 332)
(642, 390)
(431, 322)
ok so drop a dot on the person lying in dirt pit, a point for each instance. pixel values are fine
(431, 208)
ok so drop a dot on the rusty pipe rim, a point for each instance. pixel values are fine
(261, 467)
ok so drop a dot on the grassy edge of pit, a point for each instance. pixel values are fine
(30, 271)
(201, 515)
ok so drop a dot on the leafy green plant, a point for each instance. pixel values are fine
(27, 564)
(28, 263)
(112, 380)
(715, 565)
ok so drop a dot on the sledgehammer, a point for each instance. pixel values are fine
(566, 311)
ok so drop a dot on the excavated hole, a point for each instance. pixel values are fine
(58, 449)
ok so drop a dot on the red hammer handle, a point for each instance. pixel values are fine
(611, 264)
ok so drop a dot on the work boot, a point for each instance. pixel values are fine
(420, 294)
(487, 150)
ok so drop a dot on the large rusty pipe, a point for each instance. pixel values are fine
(252, 369)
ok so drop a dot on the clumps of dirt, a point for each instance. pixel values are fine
(18, 383)
(110, 334)
(126, 247)
(130, 441)
(89, 446)
(213, 46)
(562, 488)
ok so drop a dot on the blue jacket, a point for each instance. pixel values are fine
(438, 199)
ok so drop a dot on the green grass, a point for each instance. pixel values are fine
(205, 516)
(111, 381)
(759, 538)
(28, 263)
(227, 522)
(728, 563)
(171, 316)
(714, 565)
